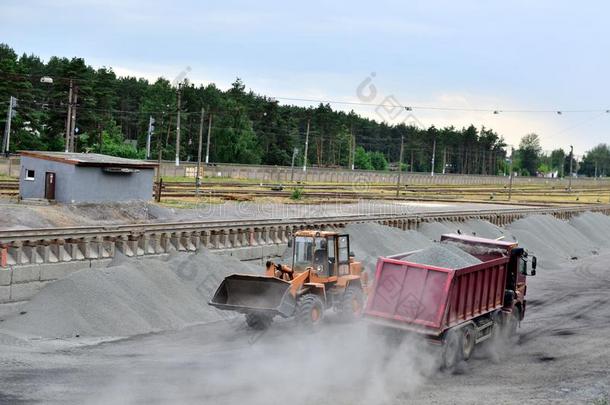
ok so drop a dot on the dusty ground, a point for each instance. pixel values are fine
(562, 356)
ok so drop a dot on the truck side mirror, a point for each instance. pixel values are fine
(534, 264)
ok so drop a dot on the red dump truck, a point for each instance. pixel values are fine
(456, 308)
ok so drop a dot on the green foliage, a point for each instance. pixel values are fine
(378, 161)
(246, 127)
(529, 154)
(114, 144)
(596, 161)
(297, 193)
(362, 160)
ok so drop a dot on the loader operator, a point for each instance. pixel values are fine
(319, 258)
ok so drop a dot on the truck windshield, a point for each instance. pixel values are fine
(303, 253)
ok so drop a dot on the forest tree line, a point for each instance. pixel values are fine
(113, 113)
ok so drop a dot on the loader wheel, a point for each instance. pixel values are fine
(452, 349)
(350, 307)
(258, 321)
(467, 342)
(310, 311)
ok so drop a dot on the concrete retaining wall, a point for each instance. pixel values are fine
(285, 174)
(324, 175)
(18, 284)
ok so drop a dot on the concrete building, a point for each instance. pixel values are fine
(84, 177)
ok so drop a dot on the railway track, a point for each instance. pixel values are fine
(33, 234)
(66, 244)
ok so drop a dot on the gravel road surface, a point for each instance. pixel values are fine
(562, 356)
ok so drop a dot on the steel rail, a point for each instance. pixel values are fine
(78, 232)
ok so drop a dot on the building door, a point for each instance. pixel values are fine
(49, 186)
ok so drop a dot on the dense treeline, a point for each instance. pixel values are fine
(113, 117)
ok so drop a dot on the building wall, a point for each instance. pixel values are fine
(77, 184)
(35, 189)
(92, 184)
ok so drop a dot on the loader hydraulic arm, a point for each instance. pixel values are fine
(271, 268)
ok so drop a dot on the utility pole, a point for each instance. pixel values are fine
(402, 144)
(69, 118)
(353, 152)
(433, 156)
(444, 160)
(306, 147)
(571, 159)
(352, 148)
(207, 145)
(73, 118)
(151, 122)
(294, 155)
(199, 152)
(6, 142)
(412, 160)
(178, 126)
(158, 191)
(510, 180)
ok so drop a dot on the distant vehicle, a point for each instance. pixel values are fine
(455, 308)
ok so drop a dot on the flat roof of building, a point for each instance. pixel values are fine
(89, 159)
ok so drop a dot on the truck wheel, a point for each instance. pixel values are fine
(258, 321)
(350, 307)
(452, 349)
(513, 322)
(310, 311)
(467, 341)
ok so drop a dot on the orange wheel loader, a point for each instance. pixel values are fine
(323, 275)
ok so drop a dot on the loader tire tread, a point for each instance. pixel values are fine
(258, 321)
(352, 296)
(306, 306)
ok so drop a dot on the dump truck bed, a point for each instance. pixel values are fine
(430, 299)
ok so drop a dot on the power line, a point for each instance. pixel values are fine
(436, 108)
(557, 111)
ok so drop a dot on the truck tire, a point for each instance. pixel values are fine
(352, 302)
(258, 321)
(452, 349)
(310, 311)
(468, 341)
(513, 322)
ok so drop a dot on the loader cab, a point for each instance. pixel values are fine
(327, 253)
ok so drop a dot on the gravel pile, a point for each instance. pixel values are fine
(594, 226)
(434, 230)
(443, 255)
(369, 241)
(554, 240)
(482, 228)
(129, 297)
(476, 227)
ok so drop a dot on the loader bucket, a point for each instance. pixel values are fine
(249, 293)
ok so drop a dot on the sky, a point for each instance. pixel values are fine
(452, 62)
